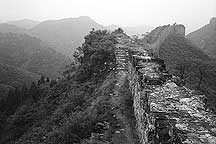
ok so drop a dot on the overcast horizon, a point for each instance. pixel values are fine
(192, 13)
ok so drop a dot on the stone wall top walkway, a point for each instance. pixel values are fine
(167, 113)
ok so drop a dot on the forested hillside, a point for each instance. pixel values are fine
(12, 77)
(68, 111)
(31, 54)
(11, 74)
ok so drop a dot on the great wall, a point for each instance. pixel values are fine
(165, 112)
(159, 35)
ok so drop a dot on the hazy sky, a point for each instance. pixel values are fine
(192, 13)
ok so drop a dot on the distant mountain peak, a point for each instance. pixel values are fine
(84, 17)
(65, 34)
(75, 18)
(25, 19)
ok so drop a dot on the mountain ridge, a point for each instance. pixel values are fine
(205, 38)
(65, 35)
(24, 23)
(10, 74)
(29, 53)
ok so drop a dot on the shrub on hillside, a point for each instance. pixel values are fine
(96, 56)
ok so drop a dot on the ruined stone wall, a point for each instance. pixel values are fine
(179, 30)
(144, 119)
(166, 112)
(159, 35)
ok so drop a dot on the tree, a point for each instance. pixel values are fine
(119, 30)
(24, 92)
(182, 69)
(52, 83)
(18, 96)
(201, 75)
(69, 70)
(78, 55)
(42, 79)
(33, 91)
(47, 80)
(39, 82)
(98, 54)
(11, 102)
